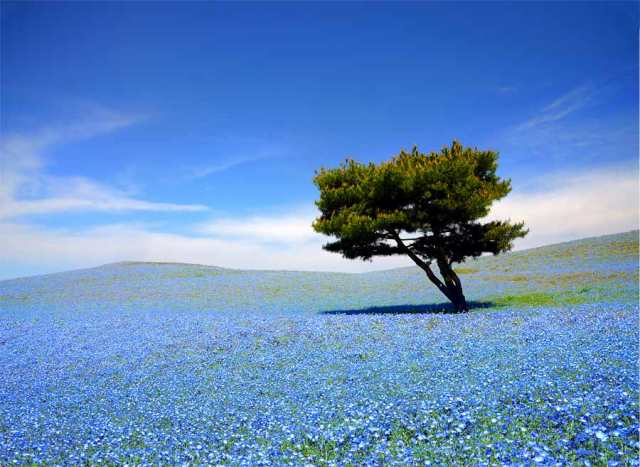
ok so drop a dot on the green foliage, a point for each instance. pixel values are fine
(438, 197)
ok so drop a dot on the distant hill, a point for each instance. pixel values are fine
(594, 269)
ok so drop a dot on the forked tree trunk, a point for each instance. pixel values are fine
(451, 287)
(452, 292)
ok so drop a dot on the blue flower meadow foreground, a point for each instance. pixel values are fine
(143, 363)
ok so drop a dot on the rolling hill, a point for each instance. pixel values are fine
(583, 271)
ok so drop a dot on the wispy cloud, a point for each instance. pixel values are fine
(570, 131)
(81, 194)
(27, 149)
(563, 106)
(226, 157)
(200, 172)
(28, 189)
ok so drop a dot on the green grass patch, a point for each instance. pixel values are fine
(466, 270)
(190, 274)
(567, 280)
(544, 298)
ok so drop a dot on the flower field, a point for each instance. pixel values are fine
(168, 364)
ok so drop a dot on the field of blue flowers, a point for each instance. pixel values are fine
(166, 363)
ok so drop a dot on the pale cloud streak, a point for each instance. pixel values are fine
(571, 132)
(85, 195)
(263, 229)
(258, 150)
(202, 172)
(27, 189)
(560, 108)
(26, 150)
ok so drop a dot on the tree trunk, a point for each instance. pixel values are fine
(455, 296)
(451, 288)
(453, 285)
(460, 302)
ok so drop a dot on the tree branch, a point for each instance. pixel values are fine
(423, 265)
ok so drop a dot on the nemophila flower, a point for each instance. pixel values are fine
(139, 368)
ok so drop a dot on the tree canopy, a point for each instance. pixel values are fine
(428, 206)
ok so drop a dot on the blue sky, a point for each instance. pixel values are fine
(190, 131)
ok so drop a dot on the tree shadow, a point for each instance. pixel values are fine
(431, 308)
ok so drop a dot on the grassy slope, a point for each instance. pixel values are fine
(590, 270)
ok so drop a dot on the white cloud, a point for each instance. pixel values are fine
(66, 194)
(55, 250)
(262, 229)
(569, 206)
(27, 189)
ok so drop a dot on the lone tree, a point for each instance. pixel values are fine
(426, 206)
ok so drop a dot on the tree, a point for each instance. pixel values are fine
(425, 206)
